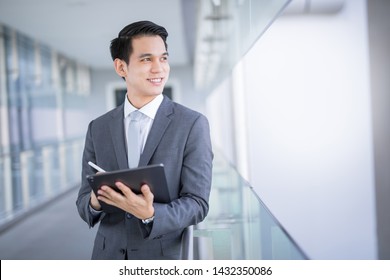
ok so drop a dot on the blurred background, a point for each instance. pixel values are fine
(296, 92)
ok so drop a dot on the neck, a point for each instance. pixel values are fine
(139, 102)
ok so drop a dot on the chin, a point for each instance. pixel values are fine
(157, 91)
(153, 94)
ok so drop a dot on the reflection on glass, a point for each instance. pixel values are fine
(239, 226)
(38, 158)
(226, 31)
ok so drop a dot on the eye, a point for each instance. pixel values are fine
(146, 59)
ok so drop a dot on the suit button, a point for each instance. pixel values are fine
(129, 216)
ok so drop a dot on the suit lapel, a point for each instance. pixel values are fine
(160, 124)
(118, 137)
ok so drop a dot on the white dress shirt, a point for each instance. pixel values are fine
(148, 111)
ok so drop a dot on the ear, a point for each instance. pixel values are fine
(120, 67)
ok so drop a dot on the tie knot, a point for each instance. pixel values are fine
(135, 115)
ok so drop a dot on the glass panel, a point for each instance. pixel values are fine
(38, 160)
(238, 225)
(226, 31)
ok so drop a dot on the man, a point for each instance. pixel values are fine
(171, 134)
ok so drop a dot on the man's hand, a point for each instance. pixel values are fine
(95, 202)
(139, 205)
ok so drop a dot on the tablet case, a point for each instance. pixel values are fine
(152, 175)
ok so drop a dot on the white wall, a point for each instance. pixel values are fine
(310, 151)
(219, 113)
(310, 147)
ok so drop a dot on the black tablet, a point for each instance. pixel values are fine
(152, 175)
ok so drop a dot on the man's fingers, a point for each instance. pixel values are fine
(147, 192)
(124, 189)
(109, 193)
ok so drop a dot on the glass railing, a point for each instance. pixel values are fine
(239, 226)
(30, 178)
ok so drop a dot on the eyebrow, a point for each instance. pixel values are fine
(149, 54)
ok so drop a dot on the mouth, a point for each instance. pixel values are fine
(156, 81)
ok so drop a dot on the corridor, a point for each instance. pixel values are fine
(54, 232)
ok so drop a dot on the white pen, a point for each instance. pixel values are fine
(96, 167)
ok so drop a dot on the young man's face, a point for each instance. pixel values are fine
(148, 68)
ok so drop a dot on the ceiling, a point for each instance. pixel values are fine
(83, 29)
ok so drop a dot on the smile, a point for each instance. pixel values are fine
(156, 80)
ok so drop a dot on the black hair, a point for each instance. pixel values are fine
(121, 47)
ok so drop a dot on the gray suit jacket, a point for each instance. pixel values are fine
(180, 139)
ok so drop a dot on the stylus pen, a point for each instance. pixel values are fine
(96, 167)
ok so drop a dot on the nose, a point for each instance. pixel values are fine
(157, 66)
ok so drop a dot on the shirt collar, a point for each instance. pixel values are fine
(149, 109)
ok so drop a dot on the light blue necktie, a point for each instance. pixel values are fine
(133, 139)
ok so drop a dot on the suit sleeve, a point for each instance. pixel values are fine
(196, 172)
(84, 194)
